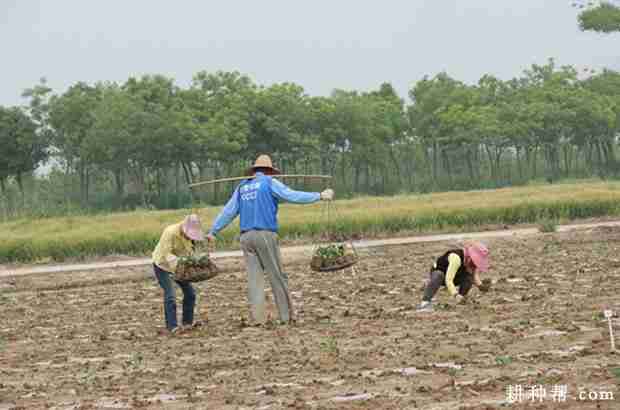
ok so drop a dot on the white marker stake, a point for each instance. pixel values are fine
(608, 315)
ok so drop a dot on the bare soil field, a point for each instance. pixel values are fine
(96, 341)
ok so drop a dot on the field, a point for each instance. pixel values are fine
(136, 233)
(94, 341)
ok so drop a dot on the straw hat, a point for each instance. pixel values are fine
(192, 227)
(479, 254)
(263, 161)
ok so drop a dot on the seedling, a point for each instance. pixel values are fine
(134, 362)
(503, 360)
(330, 251)
(333, 257)
(330, 345)
(195, 268)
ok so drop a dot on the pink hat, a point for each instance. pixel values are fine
(479, 254)
(192, 228)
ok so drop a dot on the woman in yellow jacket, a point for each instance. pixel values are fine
(456, 267)
(177, 240)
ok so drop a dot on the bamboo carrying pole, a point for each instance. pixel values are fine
(216, 181)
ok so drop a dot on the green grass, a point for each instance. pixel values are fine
(548, 225)
(137, 233)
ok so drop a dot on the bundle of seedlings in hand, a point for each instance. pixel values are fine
(486, 285)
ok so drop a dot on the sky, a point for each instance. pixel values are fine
(318, 44)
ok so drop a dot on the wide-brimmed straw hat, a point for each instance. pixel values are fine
(192, 227)
(479, 255)
(263, 161)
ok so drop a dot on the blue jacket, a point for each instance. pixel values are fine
(256, 201)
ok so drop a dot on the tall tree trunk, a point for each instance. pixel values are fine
(82, 174)
(470, 166)
(217, 173)
(158, 181)
(435, 161)
(519, 163)
(447, 166)
(498, 158)
(411, 167)
(187, 172)
(20, 184)
(588, 157)
(534, 162)
(120, 188)
(356, 176)
(343, 169)
(87, 187)
(396, 164)
(491, 162)
(599, 154)
(177, 179)
(611, 156)
(3, 185)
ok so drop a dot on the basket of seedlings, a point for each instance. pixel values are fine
(333, 257)
(195, 268)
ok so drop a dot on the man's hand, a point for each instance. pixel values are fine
(211, 240)
(327, 195)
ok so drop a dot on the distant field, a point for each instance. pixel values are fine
(136, 233)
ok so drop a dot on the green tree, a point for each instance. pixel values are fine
(602, 17)
(23, 147)
(111, 140)
(71, 118)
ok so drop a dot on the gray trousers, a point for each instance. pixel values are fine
(262, 256)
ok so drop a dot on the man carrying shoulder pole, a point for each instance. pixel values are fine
(256, 202)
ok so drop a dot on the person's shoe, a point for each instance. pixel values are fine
(425, 307)
(199, 323)
(176, 331)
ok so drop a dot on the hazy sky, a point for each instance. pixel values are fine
(319, 44)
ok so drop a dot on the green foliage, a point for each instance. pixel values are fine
(138, 144)
(329, 252)
(23, 148)
(604, 18)
(548, 225)
(616, 372)
(194, 261)
(503, 360)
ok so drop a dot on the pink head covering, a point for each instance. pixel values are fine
(192, 228)
(479, 254)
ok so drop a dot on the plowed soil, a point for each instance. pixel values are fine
(97, 340)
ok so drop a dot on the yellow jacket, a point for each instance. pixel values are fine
(453, 267)
(172, 244)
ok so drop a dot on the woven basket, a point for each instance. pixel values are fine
(196, 273)
(319, 264)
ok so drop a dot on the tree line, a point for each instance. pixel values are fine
(139, 143)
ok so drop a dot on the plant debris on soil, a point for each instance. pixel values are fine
(98, 341)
